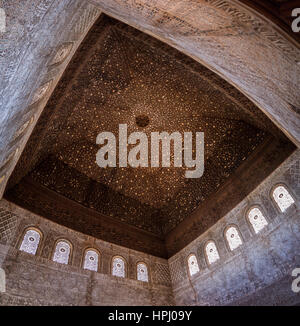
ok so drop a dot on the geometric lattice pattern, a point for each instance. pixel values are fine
(142, 272)
(62, 252)
(283, 198)
(91, 260)
(233, 238)
(8, 225)
(177, 272)
(118, 267)
(161, 274)
(211, 252)
(30, 242)
(193, 265)
(257, 220)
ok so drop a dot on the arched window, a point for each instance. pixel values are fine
(118, 267)
(233, 238)
(142, 272)
(282, 198)
(91, 260)
(62, 252)
(257, 219)
(211, 252)
(193, 265)
(30, 241)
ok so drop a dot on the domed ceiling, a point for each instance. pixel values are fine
(122, 76)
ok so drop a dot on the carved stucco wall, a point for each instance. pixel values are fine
(259, 272)
(40, 40)
(37, 280)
